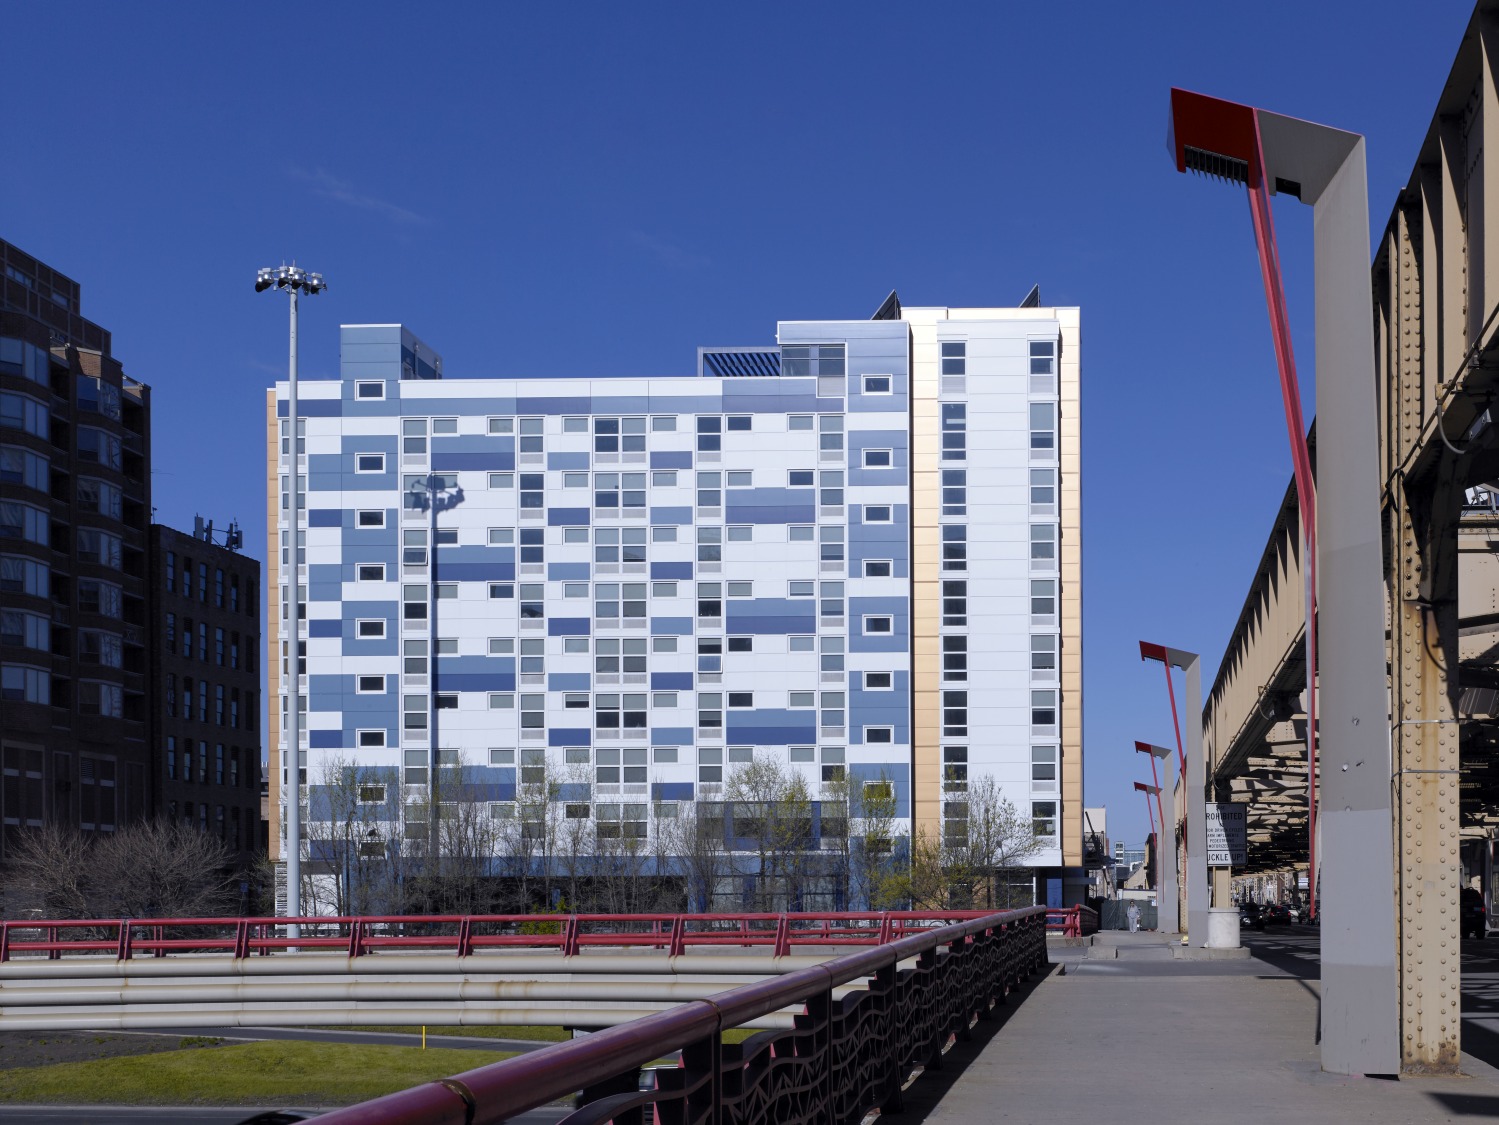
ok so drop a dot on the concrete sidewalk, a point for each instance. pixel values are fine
(1148, 1038)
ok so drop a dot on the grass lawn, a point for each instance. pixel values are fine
(294, 1073)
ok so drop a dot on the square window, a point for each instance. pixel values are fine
(878, 681)
(370, 685)
(876, 513)
(369, 462)
(877, 384)
(370, 628)
(371, 390)
(877, 458)
(372, 517)
(879, 626)
(370, 572)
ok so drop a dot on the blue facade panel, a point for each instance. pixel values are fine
(569, 627)
(667, 569)
(570, 736)
(671, 681)
(568, 517)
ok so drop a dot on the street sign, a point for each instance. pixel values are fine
(1228, 840)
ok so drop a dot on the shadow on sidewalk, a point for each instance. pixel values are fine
(927, 1092)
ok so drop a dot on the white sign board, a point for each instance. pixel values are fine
(1228, 842)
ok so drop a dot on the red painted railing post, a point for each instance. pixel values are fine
(783, 937)
(678, 945)
(123, 949)
(242, 938)
(887, 927)
(4, 941)
(356, 937)
(570, 936)
(465, 936)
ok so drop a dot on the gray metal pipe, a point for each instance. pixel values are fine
(460, 1015)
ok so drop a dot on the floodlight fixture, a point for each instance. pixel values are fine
(293, 280)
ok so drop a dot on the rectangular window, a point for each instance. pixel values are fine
(370, 685)
(954, 357)
(1043, 427)
(1043, 597)
(878, 626)
(1043, 486)
(371, 517)
(955, 713)
(879, 681)
(371, 738)
(879, 736)
(369, 390)
(370, 572)
(799, 422)
(1043, 357)
(877, 459)
(1043, 708)
(501, 425)
(878, 568)
(954, 492)
(801, 360)
(1043, 542)
(1043, 652)
(876, 513)
(370, 628)
(1044, 819)
(877, 384)
(954, 547)
(501, 480)
(501, 590)
(739, 423)
(954, 658)
(664, 478)
(369, 462)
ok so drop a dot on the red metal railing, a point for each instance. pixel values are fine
(464, 935)
(844, 1058)
(1072, 921)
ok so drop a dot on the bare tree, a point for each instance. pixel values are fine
(353, 815)
(771, 807)
(694, 838)
(1000, 840)
(151, 869)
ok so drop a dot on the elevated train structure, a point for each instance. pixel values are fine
(1435, 293)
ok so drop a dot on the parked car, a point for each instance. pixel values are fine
(1251, 916)
(1473, 920)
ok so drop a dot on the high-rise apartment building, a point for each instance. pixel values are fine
(75, 504)
(855, 552)
(206, 701)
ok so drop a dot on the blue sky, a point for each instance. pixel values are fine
(593, 189)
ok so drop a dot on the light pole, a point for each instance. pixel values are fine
(293, 280)
(433, 494)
